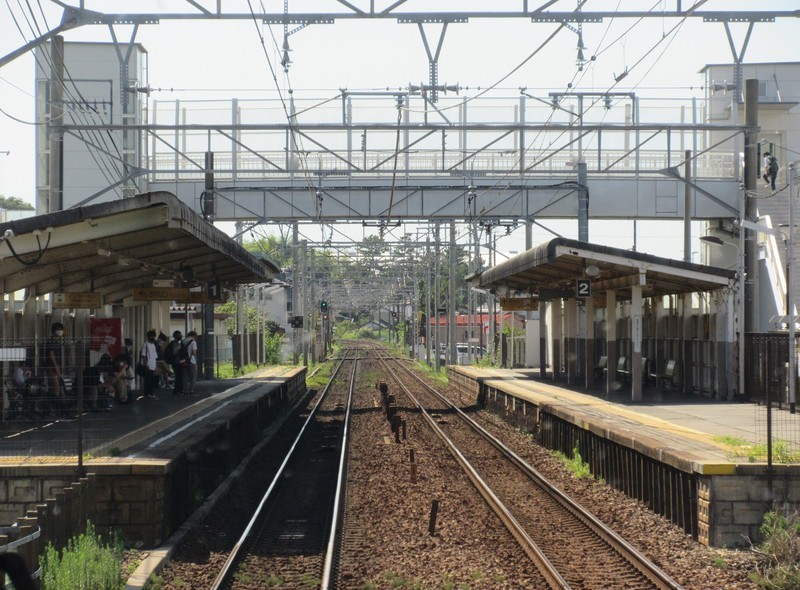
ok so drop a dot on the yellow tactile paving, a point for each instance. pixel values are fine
(532, 388)
(708, 454)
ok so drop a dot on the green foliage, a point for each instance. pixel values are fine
(273, 581)
(252, 319)
(576, 464)
(227, 370)
(719, 562)
(277, 248)
(433, 374)
(14, 203)
(782, 450)
(272, 349)
(84, 564)
(321, 377)
(243, 577)
(779, 567)
(310, 581)
(728, 440)
(396, 581)
(345, 330)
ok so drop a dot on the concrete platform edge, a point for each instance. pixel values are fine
(158, 558)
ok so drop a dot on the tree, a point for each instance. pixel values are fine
(14, 203)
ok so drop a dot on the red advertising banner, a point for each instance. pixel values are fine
(105, 337)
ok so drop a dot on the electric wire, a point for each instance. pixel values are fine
(105, 167)
(616, 82)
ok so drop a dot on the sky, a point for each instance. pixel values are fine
(207, 59)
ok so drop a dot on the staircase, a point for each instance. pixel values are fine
(773, 210)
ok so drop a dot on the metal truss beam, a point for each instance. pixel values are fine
(76, 16)
(440, 200)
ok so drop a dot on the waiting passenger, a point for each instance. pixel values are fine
(53, 363)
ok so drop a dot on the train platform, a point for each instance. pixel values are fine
(144, 427)
(701, 427)
(668, 445)
(152, 461)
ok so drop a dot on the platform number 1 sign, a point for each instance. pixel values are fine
(583, 288)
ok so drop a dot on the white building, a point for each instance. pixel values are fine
(97, 90)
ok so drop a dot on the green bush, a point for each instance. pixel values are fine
(272, 349)
(779, 567)
(576, 465)
(85, 564)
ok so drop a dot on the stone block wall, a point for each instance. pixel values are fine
(731, 508)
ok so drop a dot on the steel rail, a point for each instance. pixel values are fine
(228, 567)
(528, 545)
(646, 567)
(338, 502)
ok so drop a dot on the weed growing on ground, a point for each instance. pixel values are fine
(782, 451)
(779, 567)
(321, 377)
(575, 465)
(719, 562)
(273, 581)
(431, 374)
(85, 563)
(396, 581)
(243, 577)
(730, 441)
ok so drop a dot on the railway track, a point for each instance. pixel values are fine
(347, 511)
(570, 547)
(289, 535)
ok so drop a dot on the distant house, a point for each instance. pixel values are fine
(474, 326)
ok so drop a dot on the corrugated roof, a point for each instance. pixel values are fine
(551, 270)
(115, 247)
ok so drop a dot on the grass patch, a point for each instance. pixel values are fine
(228, 371)
(782, 450)
(437, 377)
(575, 464)
(85, 563)
(779, 564)
(321, 378)
(396, 581)
(273, 581)
(730, 441)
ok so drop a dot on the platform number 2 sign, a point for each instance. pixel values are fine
(583, 288)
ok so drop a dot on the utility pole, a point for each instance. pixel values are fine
(436, 302)
(451, 312)
(56, 167)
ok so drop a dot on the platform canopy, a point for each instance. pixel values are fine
(145, 241)
(554, 269)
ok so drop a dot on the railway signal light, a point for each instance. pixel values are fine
(323, 306)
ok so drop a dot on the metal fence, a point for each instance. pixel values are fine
(767, 384)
